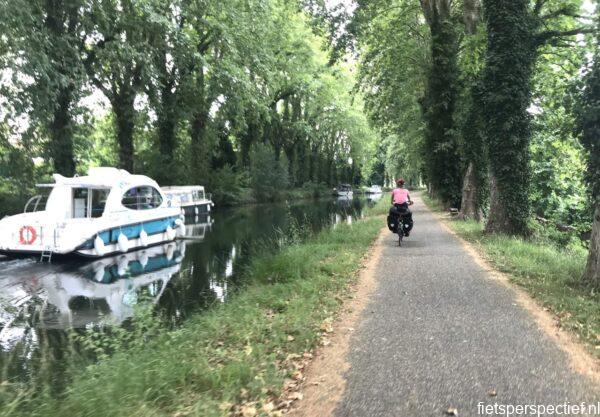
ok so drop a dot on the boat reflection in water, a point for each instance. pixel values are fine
(196, 227)
(42, 304)
(105, 291)
(374, 197)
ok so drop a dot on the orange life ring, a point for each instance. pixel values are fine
(27, 235)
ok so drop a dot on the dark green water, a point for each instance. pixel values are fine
(42, 304)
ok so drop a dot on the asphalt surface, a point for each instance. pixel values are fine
(438, 334)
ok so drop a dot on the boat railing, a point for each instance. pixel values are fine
(34, 203)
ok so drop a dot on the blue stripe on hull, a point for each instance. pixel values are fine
(135, 268)
(132, 231)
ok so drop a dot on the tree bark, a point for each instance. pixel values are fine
(125, 123)
(61, 134)
(199, 146)
(510, 57)
(592, 270)
(471, 15)
(167, 127)
(442, 157)
(469, 207)
(61, 18)
(498, 221)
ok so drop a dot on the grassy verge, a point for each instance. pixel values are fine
(551, 274)
(233, 359)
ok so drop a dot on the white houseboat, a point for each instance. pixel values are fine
(374, 189)
(191, 198)
(343, 190)
(106, 212)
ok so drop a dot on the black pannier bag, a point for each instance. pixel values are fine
(393, 219)
(392, 222)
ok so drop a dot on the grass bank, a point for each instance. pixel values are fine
(230, 360)
(550, 273)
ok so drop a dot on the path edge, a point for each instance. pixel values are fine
(580, 360)
(324, 383)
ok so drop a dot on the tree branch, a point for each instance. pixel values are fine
(563, 11)
(538, 7)
(549, 36)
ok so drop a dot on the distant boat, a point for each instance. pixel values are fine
(192, 199)
(106, 212)
(343, 190)
(374, 189)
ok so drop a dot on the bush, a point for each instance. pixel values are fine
(316, 190)
(226, 186)
(268, 174)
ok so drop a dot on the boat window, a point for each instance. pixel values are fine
(80, 203)
(89, 202)
(198, 195)
(38, 202)
(99, 197)
(142, 198)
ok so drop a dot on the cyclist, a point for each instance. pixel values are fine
(401, 200)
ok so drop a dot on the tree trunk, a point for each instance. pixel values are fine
(125, 124)
(248, 139)
(167, 126)
(471, 15)
(61, 133)
(61, 18)
(498, 220)
(166, 140)
(592, 270)
(469, 208)
(199, 146)
(442, 157)
(509, 61)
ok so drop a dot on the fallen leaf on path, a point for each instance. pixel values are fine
(292, 356)
(295, 396)
(268, 407)
(284, 405)
(248, 410)
(289, 384)
(492, 393)
(327, 327)
(452, 411)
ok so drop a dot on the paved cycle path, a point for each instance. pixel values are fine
(440, 333)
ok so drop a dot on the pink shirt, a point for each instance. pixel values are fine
(400, 195)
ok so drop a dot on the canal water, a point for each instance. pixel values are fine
(43, 305)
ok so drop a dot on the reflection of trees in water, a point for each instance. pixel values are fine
(45, 301)
(39, 351)
(215, 266)
(36, 356)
